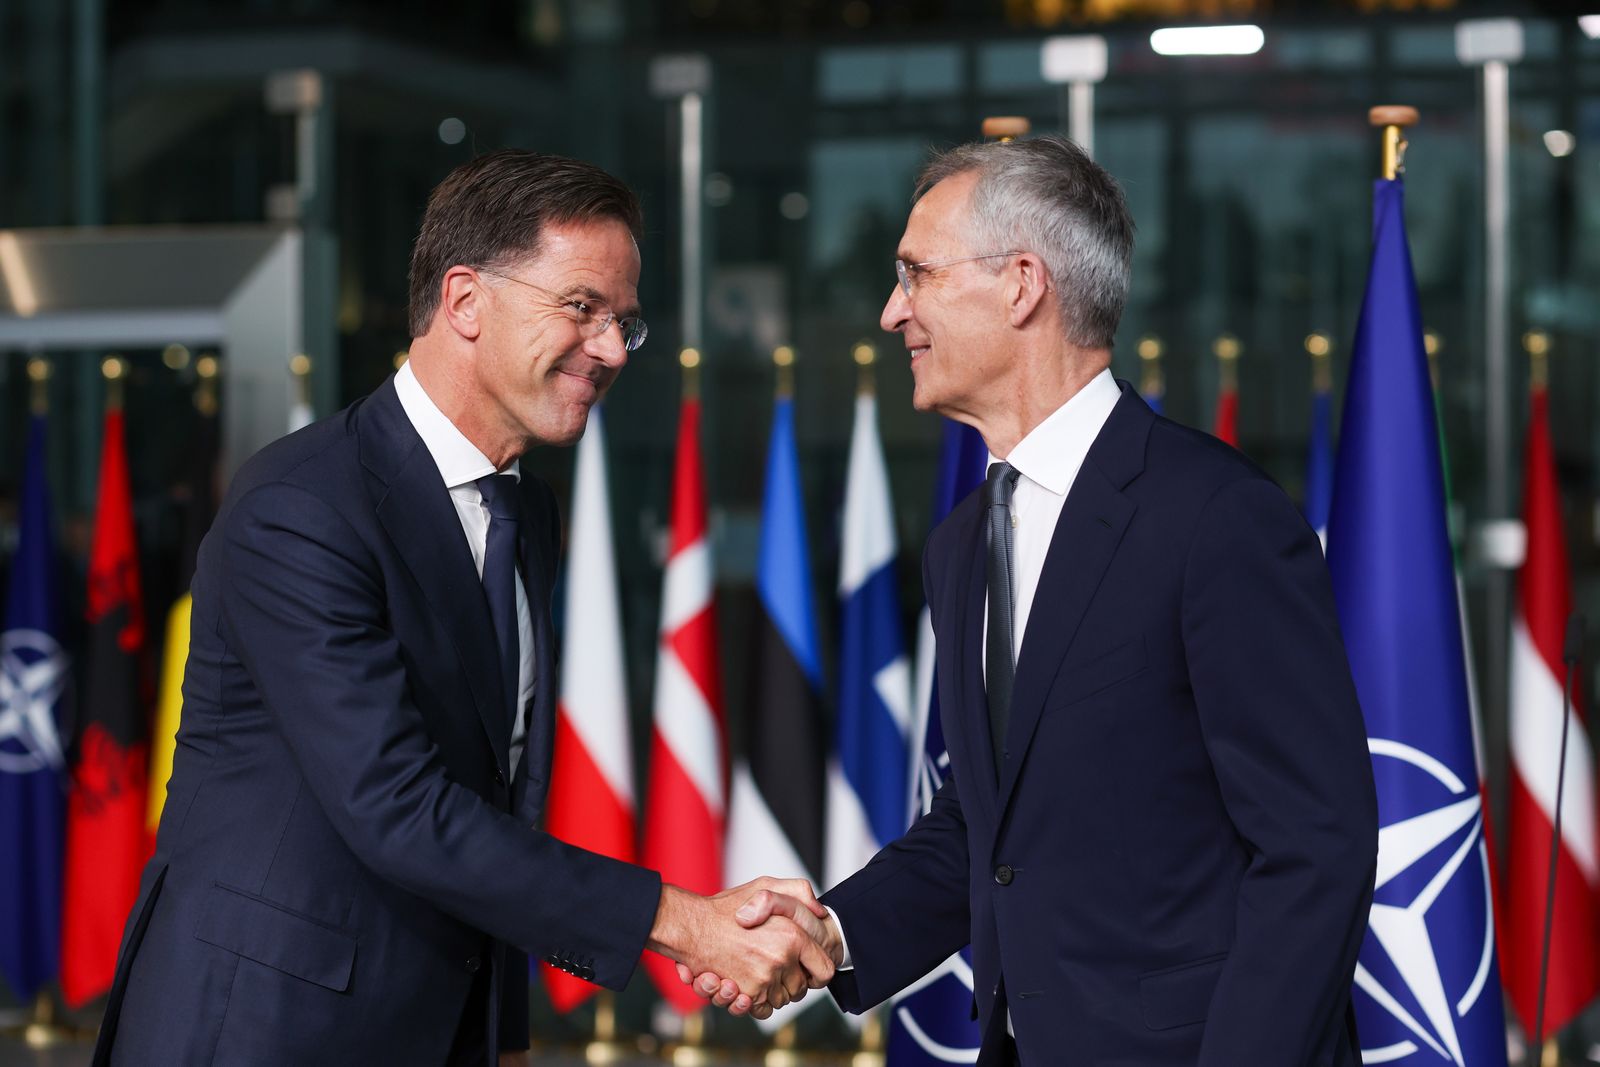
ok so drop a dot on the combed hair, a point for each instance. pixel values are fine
(491, 212)
(1046, 196)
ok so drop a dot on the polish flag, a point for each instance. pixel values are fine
(591, 786)
(686, 802)
(1544, 600)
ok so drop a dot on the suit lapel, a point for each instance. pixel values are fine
(1093, 519)
(416, 511)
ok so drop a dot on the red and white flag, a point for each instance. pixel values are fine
(591, 785)
(1544, 600)
(687, 798)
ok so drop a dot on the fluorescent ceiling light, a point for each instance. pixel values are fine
(17, 277)
(1559, 142)
(1590, 25)
(1208, 40)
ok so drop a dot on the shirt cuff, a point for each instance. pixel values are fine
(844, 946)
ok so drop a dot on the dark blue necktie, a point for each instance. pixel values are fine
(999, 666)
(500, 579)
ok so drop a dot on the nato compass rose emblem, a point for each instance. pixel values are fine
(33, 674)
(1429, 953)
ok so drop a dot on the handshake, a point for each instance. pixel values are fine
(750, 949)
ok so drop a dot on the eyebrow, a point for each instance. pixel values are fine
(590, 293)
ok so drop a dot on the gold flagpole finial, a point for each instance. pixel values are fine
(783, 359)
(39, 376)
(689, 360)
(1005, 127)
(1537, 344)
(1393, 119)
(864, 355)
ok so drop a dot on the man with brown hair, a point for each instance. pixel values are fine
(347, 869)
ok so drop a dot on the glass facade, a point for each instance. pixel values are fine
(1249, 178)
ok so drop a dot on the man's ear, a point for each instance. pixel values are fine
(462, 296)
(1027, 286)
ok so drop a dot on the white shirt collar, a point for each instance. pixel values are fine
(458, 459)
(1054, 450)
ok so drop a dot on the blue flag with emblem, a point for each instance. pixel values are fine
(932, 1018)
(33, 682)
(1427, 985)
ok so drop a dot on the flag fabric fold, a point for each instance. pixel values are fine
(930, 1022)
(34, 685)
(867, 776)
(1427, 984)
(591, 786)
(686, 801)
(106, 805)
(1544, 601)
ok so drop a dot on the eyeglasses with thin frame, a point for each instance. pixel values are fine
(593, 315)
(907, 273)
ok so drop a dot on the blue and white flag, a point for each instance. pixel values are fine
(932, 1020)
(1319, 461)
(867, 776)
(1427, 986)
(33, 682)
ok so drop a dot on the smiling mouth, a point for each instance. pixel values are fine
(917, 351)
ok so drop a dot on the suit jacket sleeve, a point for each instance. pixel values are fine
(304, 608)
(1286, 738)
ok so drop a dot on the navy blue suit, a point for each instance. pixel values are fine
(1176, 864)
(344, 852)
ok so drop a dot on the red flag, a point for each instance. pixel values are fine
(1544, 600)
(686, 802)
(591, 785)
(106, 800)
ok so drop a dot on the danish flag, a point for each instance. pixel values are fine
(687, 798)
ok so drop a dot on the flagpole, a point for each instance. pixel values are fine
(605, 1047)
(869, 1051)
(1152, 383)
(115, 370)
(783, 1052)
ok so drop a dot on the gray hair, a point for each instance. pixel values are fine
(1046, 196)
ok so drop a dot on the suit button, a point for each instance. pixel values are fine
(1003, 874)
(586, 973)
(498, 778)
(473, 963)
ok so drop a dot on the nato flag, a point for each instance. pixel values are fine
(1427, 984)
(33, 682)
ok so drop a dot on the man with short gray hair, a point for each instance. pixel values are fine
(1159, 833)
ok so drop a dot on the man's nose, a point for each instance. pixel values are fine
(896, 311)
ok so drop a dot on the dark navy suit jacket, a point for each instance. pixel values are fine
(1176, 865)
(343, 846)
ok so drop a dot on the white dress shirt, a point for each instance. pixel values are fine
(1048, 461)
(461, 465)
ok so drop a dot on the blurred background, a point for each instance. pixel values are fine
(219, 200)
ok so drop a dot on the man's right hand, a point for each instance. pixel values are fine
(766, 905)
(766, 962)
